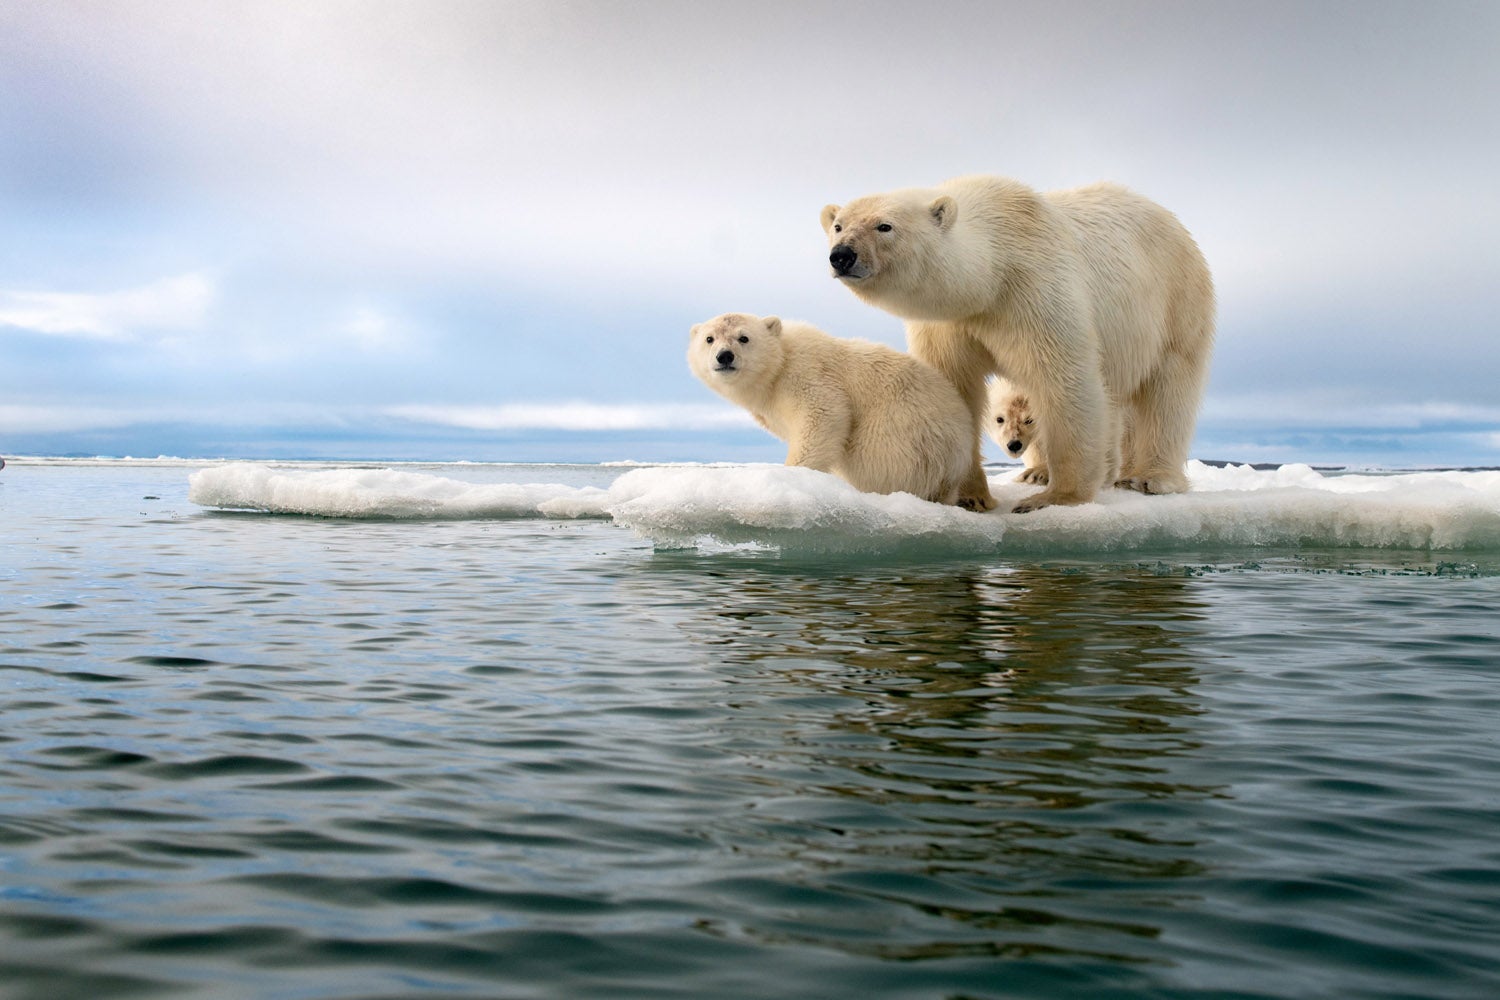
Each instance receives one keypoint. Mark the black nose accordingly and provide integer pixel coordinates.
(724, 358)
(1014, 447)
(842, 258)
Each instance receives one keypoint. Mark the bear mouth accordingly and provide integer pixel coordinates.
(854, 274)
(725, 368)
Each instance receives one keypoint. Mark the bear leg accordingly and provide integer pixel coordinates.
(965, 362)
(1161, 424)
(974, 492)
(1075, 416)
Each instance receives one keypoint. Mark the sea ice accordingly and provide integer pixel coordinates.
(799, 510)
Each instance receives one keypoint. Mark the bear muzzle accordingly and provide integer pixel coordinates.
(845, 262)
(1015, 446)
(725, 360)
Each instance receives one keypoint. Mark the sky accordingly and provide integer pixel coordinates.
(481, 230)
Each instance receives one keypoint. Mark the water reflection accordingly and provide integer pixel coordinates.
(1003, 749)
(1009, 649)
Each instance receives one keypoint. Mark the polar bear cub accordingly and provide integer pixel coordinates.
(1015, 427)
(877, 418)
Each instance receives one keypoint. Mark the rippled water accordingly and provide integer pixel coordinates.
(260, 756)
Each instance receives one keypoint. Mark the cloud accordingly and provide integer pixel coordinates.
(178, 303)
(1327, 409)
(575, 416)
(22, 419)
(95, 415)
(371, 330)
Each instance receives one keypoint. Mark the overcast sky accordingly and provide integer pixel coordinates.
(230, 226)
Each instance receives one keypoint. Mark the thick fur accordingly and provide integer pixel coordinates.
(1082, 296)
(1014, 426)
(877, 418)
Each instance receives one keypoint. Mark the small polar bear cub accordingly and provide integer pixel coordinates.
(879, 419)
(1014, 426)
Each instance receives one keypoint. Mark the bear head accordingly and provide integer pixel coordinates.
(883, 246)
(1012, 424)
(736, 354)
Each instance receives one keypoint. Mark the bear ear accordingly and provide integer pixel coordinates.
(773, 325)
(944, 212)
(829, 213)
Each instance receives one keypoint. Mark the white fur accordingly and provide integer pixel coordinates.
(1085, 297)
(880, 419)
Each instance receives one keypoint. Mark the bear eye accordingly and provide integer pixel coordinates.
(884, 227)
(838, 227)
(710, 338)
(744, 339)
(1028, 420)
(999, 420)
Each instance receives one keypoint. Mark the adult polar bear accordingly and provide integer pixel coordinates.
(1088, 298)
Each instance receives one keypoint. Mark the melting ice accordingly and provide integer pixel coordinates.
(799, 510)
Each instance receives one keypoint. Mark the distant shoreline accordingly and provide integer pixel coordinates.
(995, 467)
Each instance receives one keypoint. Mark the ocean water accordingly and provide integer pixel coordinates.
(603, 732)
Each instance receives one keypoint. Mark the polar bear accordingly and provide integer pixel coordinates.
(1013, 426)
(1081, 296)
(877, 418)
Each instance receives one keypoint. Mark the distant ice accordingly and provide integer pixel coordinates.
(800, 511)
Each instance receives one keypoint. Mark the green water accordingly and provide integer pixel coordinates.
(249, 756)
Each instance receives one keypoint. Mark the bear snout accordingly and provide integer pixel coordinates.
(1014, 447)
(842, 259)
(725, 359)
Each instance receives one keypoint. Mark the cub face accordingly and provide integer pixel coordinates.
(1012, 425)
(735, 350)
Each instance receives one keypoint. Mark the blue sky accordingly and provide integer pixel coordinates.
(482, 230)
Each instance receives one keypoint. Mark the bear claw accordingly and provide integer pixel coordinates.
(1149, 486)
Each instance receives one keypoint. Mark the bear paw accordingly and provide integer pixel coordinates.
(1153, 485)
(1031, 503)
(1046, 498)
(1037, 475)
(977, 504)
